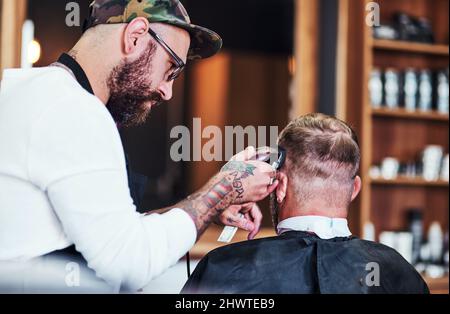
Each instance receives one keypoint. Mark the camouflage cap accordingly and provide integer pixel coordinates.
(204, 42)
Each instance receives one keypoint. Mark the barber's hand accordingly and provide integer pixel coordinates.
(252, 180)
(240, 181)
(246, 216)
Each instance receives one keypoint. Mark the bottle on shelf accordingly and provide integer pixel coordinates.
(416, 229)
(369, 231)
(432, 157)
(410, 89)
(436, 241)
(442, 92)
(425, 91)
(392, 88)
(402, 242)
(445, 169)
(376, 88)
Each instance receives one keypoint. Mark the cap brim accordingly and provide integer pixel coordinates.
(204, 42)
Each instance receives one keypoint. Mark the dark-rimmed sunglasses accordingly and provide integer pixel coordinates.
(179, 64)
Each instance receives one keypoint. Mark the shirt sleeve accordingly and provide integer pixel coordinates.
(76, 157)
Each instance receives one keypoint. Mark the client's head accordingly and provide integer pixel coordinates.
(319, 177)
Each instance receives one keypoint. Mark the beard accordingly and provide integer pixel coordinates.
(131, 93)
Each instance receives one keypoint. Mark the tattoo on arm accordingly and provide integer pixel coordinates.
(214, 198)
(245, 169)
(237, 184)
(217, 193)
(204, 206)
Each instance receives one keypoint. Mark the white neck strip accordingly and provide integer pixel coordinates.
(324, 227)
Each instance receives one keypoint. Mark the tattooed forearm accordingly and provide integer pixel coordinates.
(213, 199)
(204, 207)
(218, 193)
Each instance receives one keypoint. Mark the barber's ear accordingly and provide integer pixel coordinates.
(356, 187)
(282, 187)
(135, 33)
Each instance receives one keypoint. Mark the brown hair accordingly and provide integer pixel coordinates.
(322, 156)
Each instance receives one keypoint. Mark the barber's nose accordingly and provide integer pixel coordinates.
(166, 90)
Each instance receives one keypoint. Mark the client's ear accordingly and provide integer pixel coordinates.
(282, 186)
(356, 187)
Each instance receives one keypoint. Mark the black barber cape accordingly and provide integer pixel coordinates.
(298, 262)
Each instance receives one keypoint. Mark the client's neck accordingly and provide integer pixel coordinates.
(316, 207)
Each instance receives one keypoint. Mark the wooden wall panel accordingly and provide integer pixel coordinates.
(13, 14)
(305, 85)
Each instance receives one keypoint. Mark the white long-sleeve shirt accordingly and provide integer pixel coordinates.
(63, 181)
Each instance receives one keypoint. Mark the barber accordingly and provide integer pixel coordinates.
(63, 177)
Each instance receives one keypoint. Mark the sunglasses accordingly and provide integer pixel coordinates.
(179, 64)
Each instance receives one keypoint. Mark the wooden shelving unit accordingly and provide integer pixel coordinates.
(405, 181)
(441, 50)
(405, 114)
(393, 132)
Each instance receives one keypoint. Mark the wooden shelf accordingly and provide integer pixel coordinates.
(405, 114)
(437, 285)
(393, 45)
(405, 181)
(385, 132)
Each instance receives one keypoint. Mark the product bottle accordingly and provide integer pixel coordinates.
(442, 92)
(425, 91)
(391, 88)
(410, 90)
(436, 241)
(376, 88)
(416, 228)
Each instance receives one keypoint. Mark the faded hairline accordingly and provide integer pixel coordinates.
(322, 159)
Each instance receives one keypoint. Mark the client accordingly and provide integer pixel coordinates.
(314, 251)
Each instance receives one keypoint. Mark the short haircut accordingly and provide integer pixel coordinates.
(323, 159)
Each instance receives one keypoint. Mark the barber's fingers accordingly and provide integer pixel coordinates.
(263, 168)
(236, 220)
(244, 208)
(248, 218)
(256, 216)
(247, 154)
(266, 150)
(273, 186)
